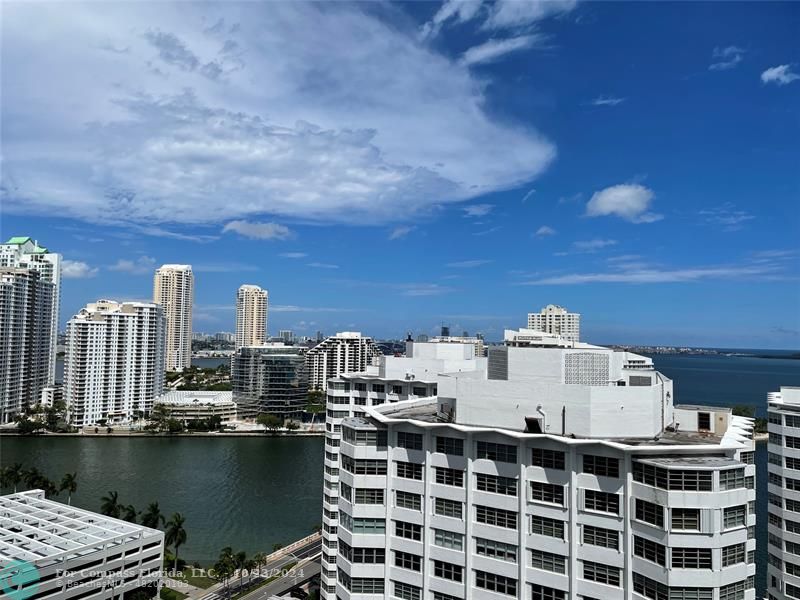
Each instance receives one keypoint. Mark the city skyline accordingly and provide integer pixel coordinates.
(563, 154)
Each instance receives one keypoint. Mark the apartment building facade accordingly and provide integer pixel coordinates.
(252, 307)
(173, 289)
(345, 352)
(556, 320)
(271, 379)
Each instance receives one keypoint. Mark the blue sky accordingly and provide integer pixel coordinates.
(390, 167)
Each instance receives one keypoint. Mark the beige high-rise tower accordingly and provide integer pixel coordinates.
(173, 289)
(252, 307)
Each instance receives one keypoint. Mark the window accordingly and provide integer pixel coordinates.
(733, 554)
(418, 391)
(364, 438)
(691, 558)
(601, 501)
(791, 463)
(397, 389)
(548, 527)
(360, 585)
(549, 459)
(497, 452)
(792, 505)
(649, 588)
(690, 593)
(449, 445)
(692, 481)
(409, 470)
(496, 484)
(362, 525)
(454, 477)
(548, 561)
(650, 550)
(378, 387)
(368, 496)
(362, 555)
(406, 560)
(363, 467)
(447, 570)
(704, 421)
(686, 519)
(495, 583)
(601, 465)
(792, 442)
(345, 491)
(748, 458)
(540, 592)
(360, 387)
(442, 596)
(448, 539)
(448, 508)
(775, 438)
(791, 420)
(601, 573)
(731, 479)
(599, 536)
(411, 441)
(547, 492)
(649, 513)
(494, 549)
(774, 459)
(405, 591)
(734, 516)
(775, 418)
(733, 591)
(496, 516)
(410, 531)
(408, 500)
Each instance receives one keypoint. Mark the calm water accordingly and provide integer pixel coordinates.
(248, 493)
(251, 493)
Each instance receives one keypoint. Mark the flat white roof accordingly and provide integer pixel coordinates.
(184, 398)
(35, 529)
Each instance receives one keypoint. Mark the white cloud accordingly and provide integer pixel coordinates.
(76, 269)
(468, 264)
(291, 308)
(627, 201)
(593, 245)
(140, 266)
(652, 275)
(293, 254)
(424, 289)
(401, 232)
(321, 265)
(258, 231)
(519, 13)
(487, 231)
(492, 50)
(607, 101)
(528, 195)
(459, 10)
(316, 112)
(726, 58)
(727, 216)
(478, 210)
(544, 231)
(780, 75)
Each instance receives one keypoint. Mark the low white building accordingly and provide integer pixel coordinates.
(196, 405)
(51, 551)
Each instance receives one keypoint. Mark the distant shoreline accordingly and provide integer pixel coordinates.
(144, 434)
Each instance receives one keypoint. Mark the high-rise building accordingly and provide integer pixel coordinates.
(345, 352)
(570, 474)
(23, 252)
(252, 306)
(270, 379)
(114, 364)
(286, 336)
(26, 305)
(557, 321)
(173, 289)
(783, 464)
(395, 379)
(53, 550)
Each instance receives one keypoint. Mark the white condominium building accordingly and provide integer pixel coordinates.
(26, 305)
(173, 289)
(783, 464)
(556, 320)
(568, 474)
(114, 365)
(51, 551)
(25, 253)
(345, 352)
(252, 306)
(396, 378)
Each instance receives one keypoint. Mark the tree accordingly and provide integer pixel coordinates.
(240, 561)
(744, 410)
(69, 484)
(269, 421)
(292, 426)
(16, 473)
(175, 535)
(129, 513)
(110, 505)
(152, 517)
(33, 477)
(224, 567)
(50, 489)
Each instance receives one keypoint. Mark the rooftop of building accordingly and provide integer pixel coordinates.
(188, 398)
(789, 396)
(176, 267)
(40, 531)
(22, 240)
(715, 462)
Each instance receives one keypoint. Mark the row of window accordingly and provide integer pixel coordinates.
(379, 388)
(687, 518)
(687, 480)
(653, 590)
(788, 420)
(687, 558)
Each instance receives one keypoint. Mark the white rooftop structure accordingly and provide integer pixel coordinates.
(192, 398)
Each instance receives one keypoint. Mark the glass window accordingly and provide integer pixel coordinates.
(649, 513)
(447, 570)
(495, 549)
(409, 531)
(409, 470)
(601, 465)
(547, 492)
(734, 516)
(731, 479)
(496, 516)
(406, 560)
(496, 484)
(548, 561)
(686, 519)
(405, 591)
(691, 558)
(733, 554)
(449, 445)
(448, 508)
(650, 550)
(496, 452)
(408, 500)
(448, 539)
(600, 536)
(601, 573)
(548, 527)
(601, 501)
(549, 459)
(540, 592)
(368, 496)
(445, 476)
(495, 583)
(409, 440)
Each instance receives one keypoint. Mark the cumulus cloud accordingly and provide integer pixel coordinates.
(544, 231)
(139, 266)
(258, 231)
(76, 269)
(627, 201)
(494, 49)
(726, 58)
(314, 112)
(401, 232)
(780, 75)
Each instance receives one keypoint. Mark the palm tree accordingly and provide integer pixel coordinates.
(129, 513)
(251, 565)
(110, 506)
(240, 560)
(33, 477)
(175, 535)
(69, 484)
(152, 517)
(50, 489)
(15, 475)
(224, 567)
